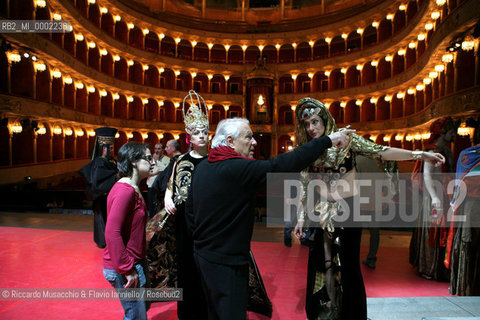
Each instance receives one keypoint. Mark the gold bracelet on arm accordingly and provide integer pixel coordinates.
(417, 155)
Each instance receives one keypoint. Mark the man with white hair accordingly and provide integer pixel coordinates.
(220, 209)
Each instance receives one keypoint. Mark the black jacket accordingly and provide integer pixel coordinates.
(220, 208)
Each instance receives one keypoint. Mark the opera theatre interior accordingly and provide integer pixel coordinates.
(393, 70)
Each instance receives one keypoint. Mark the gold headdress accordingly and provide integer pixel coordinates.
(197, 114)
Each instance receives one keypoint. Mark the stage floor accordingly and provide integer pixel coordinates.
(57, 251)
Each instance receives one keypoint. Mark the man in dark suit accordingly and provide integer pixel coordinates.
(220, 209)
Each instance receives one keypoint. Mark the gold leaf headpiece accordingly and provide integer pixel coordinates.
(196, 116)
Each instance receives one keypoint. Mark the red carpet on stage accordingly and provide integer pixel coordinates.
(38, 258)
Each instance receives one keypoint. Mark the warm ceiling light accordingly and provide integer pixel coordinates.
(412, 45)
(227, 47)
(409, 137)
(92, 45)
(388, 58)
(194, 74)
(439, 67)
(57, 17)
(293, 107)
(402, 7)
(210, 76)
(130, 63)
(400, 95)
(57, 130)
(375, 24)
(56, 74)
(79, 85)
(294, 77)
(145, 68)
(433, 74)
(388, 98)
(131, 26)
(311, 43)
(91, 1)
(260, 101)
(194, 43)
(373, 100)
(441, 2)
(210, 45)
(160, 136)
(145, 136)
(91, 89)
(374, 63)
(79, 37)
(294, 45)
(327, 73)
(161, 70)
(244, 47)
(161, 103)
(115, 96)
(176, 104)
(118, 18)
(417, 137)
(426, 136)
(177, 40)
(145, 101)
(360, 30)
(328, 40)
(435, 15)
(103, 52)
(104, 10)
(161, 35)
(468, 45)
(389, 16)
(421, 37)
(429, 26)
(401, 52)
(447, 58)
(260, 47)
(116, 58)
(130, 135)
(344, 36)
(310, 75)
(227, 77)
(41, 3)
(359, 67)
(358, 103)
(117, 135)
(130, 99)
(177, 73)
(16, 128)
(410, 91)
(145, 31)
(343, 70)
(427, 81)
(343, 104)
(68, 132)
(277, 46)
(103, 93)
(398, 137)
(79, 133)
(386, 139)
(419, 87)
(40, 67)
(68, 80)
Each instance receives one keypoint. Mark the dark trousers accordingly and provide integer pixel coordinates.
(226, 289)
(354, 300)
(194, 305)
